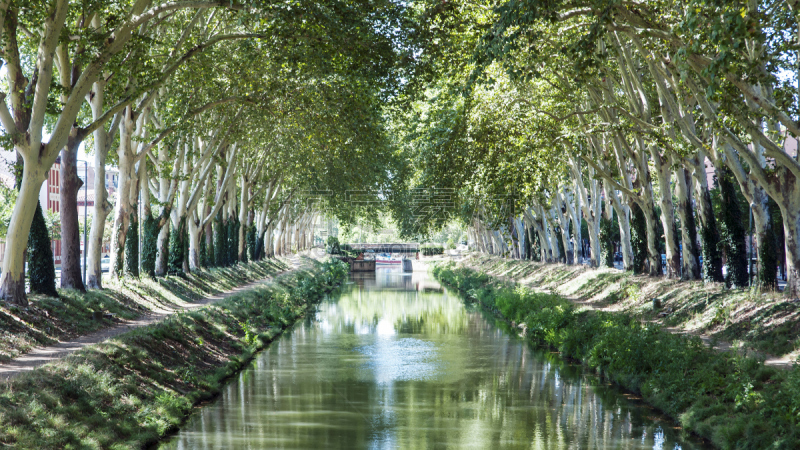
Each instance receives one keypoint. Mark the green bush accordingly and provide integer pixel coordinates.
(735, 402)
(332, 246)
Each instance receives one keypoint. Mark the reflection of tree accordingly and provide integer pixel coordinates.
(317, 387)
(406, 310)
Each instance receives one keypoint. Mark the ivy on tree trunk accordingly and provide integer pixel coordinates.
(712, 259)
(606, 241)
(203, 251)
(232, 243)
(638, 239)
(177, 247)
(251, 243)
(132, 248)
(150, 230)
(768, 256)
(733, 234)
(220, 237)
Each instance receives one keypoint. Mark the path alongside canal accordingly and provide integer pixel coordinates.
(44, 355)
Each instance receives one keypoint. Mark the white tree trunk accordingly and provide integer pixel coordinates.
(12, 281)
(623, 218)
(691, 266)
(123, 213)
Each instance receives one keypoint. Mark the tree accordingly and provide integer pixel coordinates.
(40, 257)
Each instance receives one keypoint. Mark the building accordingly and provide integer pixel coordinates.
(49, 196)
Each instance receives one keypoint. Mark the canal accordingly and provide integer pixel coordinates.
(395, 361)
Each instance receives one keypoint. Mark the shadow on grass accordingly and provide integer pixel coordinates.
(48, 319)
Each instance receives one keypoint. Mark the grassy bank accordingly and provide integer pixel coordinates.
(129, 391)
(48, 319)
(731, 400)
(765, 322)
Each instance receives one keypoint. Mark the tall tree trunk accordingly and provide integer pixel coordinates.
(162, 256)
(624, 222)
(709, 233)
(102, 207)
(176, 246)
(194, 244)
(243, 210)
(220, 249)
(12, 278)
(733, 231)
(639, 239)
(690, 259)
(791, 225)
(123, 212)
(269, 241)
(208, 235)
(664, 172)
(71, 277)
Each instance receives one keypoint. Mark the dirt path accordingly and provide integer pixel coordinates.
(43, 355)
(781, 362)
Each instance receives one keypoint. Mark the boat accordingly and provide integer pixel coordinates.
(385, 258)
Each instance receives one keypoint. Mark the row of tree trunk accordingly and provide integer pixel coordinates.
(550, 230)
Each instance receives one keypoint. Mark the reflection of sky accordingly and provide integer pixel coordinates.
(403, 359)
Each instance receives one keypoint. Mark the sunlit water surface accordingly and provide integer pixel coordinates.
(395, 361)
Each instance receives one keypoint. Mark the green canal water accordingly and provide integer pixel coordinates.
(396, 361)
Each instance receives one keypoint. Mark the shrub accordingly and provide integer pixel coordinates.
(333, 245)
(431, 249)
(42, 272)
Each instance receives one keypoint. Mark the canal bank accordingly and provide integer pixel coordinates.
(396, 361)
(731, 400)
(132, 390)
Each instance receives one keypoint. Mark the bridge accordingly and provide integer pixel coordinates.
(409, 247)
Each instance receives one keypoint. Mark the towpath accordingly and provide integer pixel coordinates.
(43, 355)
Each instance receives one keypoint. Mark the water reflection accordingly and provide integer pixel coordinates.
(394, 364)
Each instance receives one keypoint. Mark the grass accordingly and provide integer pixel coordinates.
(733, 401)
(765, 322)
(47, 320)
(130, 391)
